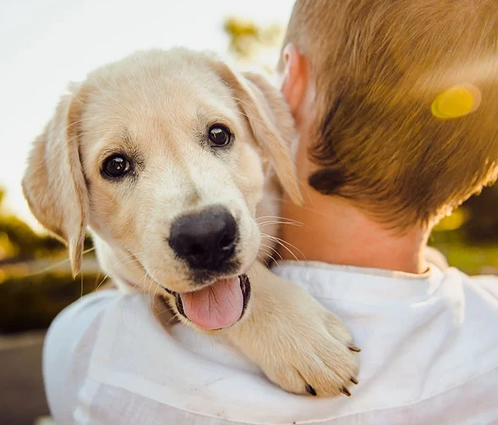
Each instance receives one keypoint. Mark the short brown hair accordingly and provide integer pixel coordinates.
(378, 65)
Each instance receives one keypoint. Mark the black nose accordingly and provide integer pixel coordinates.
(205, 240)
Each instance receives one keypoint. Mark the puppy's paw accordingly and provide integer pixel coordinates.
(300, 345)
(314, 357)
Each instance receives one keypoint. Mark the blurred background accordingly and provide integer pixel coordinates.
(44, 44)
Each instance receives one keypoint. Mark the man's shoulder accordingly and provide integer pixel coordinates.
(481, 286)
(82, 314)
(86, 312)
(487, 283)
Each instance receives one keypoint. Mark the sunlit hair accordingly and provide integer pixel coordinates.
(378, 66)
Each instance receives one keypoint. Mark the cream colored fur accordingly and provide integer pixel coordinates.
(156, 105)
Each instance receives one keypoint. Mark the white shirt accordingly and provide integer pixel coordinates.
(429, 356)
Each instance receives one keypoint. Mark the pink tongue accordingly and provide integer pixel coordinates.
(218, 306)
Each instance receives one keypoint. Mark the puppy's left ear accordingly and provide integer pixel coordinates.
(270, 121)
(53, 183)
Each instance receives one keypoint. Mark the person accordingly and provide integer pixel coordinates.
(395, 105)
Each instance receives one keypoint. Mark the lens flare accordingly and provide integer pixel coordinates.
(457, 101)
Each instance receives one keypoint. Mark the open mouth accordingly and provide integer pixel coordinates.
(217, 306)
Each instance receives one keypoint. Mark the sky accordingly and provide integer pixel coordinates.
(45, 44)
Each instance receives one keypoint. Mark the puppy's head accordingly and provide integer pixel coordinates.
(163, 155)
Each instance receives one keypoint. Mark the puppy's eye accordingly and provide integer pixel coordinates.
(219, 136)
(116, 166)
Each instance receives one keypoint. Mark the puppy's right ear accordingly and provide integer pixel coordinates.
(53, 183)
(270, 121)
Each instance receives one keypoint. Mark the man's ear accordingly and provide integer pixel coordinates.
(294, 82)
(53, 183)
(270, 121)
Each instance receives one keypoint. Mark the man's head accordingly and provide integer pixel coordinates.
(361, 77)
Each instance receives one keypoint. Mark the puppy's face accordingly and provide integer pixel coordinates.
(171, 150)
(172, 170)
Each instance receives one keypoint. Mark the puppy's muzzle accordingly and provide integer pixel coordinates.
(205, 240)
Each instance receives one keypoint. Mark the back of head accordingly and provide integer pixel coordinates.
(378, 67)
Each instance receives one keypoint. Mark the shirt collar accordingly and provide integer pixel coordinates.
(361, 285)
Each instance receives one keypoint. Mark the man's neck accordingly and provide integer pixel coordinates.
(331, 230)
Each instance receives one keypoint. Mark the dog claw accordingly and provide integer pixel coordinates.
(310, 390)
(345, 391)
(354, 348)
(354, 380)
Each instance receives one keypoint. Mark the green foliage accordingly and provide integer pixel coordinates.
(32, 301)
(482, 223)
(247, 39)
(18, 241)
(474, 223)
(35, 278)
(472, 259)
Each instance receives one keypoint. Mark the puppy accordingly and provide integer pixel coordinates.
(166, 156)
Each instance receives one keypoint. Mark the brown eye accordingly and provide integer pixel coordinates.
(219, 136)
(116, 166)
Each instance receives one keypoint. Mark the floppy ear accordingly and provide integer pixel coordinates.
(53, 183)
(270, 121)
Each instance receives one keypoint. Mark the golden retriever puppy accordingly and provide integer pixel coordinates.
(166, 156)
